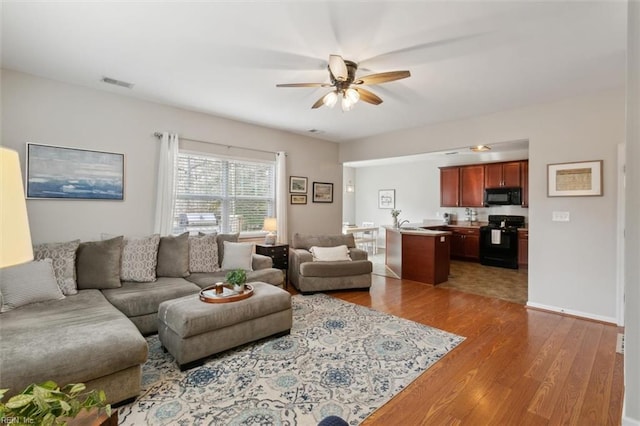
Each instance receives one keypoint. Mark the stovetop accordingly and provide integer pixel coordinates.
(505, 221)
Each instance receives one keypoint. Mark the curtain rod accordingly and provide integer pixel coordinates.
(159, 135)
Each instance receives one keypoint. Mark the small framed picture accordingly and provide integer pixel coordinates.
(322, 192)
(298, 199)
(386, 198)
(582, 179)
(297, 185)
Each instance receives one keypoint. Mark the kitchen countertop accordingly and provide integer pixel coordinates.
(417, 230)
(439, 223)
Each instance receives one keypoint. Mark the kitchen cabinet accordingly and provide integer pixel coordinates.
(421, 256)
(465, 242)
(523, 248)
(472, 186)
(449, 186)
(524, 182)
(497, 175)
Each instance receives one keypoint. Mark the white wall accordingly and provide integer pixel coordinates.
(54, 113)
(571, 264)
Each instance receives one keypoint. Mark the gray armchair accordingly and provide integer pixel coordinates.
(310, 276)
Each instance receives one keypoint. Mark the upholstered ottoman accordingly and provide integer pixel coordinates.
(191, 329)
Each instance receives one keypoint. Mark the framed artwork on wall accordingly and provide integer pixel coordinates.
(581, 179)
(298, 199)
(386, 198)
(56, 172)
(297, 184)
(322, 192)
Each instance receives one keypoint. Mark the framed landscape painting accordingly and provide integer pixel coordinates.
(55, 172)
(579, 179)
(298, 184)
(322, 192)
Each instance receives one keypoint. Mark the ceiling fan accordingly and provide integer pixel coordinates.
(342, 75)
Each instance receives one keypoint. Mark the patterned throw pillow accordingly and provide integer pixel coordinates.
(28, 283)
(139, 258)
(63, 257)
(203, 253)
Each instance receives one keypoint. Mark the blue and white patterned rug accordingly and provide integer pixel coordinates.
(340, 359)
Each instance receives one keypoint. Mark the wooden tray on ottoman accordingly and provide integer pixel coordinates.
(209, 295)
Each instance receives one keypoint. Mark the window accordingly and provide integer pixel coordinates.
(221, 194)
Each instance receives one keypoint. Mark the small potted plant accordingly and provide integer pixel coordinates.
(48, 404)
(237, 278)
(394, 214)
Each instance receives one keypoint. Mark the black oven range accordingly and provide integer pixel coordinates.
(499, 241)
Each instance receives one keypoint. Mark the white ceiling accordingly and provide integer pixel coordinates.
(225, 58)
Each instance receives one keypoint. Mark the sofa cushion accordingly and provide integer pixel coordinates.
(203, 253)
(302, 241)
(139, 258)
(77, 339)
(28, 283)
(63, 256)
(237, 256)
(220, 239)
(173, 256)
(335, 269)
(98, 264)
(135, 299)
(324, 254)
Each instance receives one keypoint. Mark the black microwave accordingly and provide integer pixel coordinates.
(502, 197)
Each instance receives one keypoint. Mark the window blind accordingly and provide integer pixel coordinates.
(222, 195)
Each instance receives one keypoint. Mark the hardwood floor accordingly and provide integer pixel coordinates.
(517, 366)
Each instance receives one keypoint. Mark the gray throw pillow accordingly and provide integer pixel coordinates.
(98, 264)
(28, 283)
(173, 256)
(237, 256)
(63, 256)
(220, 239)
(140, 258)
(203, 253)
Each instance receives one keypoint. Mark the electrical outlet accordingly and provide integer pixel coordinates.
(560, 216)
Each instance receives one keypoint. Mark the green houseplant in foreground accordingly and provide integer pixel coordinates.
(48, 404)
(236, 278)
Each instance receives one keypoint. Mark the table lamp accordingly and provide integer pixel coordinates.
(15, 237)
(270, 225)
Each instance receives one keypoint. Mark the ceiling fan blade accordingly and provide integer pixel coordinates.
(319, 102)
(382, 77)
(338, 68)
(367, 96)
(304, 85)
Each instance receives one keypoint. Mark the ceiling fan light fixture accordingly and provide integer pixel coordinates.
(352, 95)
(330, 99)
(347, 104)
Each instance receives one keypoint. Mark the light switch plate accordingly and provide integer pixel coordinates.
(560, 216)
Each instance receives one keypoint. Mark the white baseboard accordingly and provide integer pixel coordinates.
(627, 421)
(580, 314)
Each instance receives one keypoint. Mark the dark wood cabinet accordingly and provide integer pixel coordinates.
(465, 243)
(498, 175)
(523, 248)
(472, 186)
(524, 182)
(279, 253)
(449, 186)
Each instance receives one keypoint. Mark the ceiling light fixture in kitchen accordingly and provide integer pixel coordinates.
(480, 148)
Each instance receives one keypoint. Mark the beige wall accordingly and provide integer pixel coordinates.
(572, 265)
(54, 113)
(632, 227)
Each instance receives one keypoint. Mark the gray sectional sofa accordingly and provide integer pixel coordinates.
(94, 333)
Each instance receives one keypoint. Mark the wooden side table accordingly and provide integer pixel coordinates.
(279, 253)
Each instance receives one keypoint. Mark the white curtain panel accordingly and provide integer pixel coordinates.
(281, 196)
(165, 198)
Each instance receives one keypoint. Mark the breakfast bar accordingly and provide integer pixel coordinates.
(418, 254)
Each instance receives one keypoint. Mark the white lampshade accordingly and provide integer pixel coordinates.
(270, 225)
(15, 236)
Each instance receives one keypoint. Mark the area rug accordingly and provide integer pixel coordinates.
(340, 359)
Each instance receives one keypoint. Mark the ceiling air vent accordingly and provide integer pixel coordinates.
(115, 82)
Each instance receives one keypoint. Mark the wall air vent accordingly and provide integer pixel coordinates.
(451, 153)
(115, 82)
